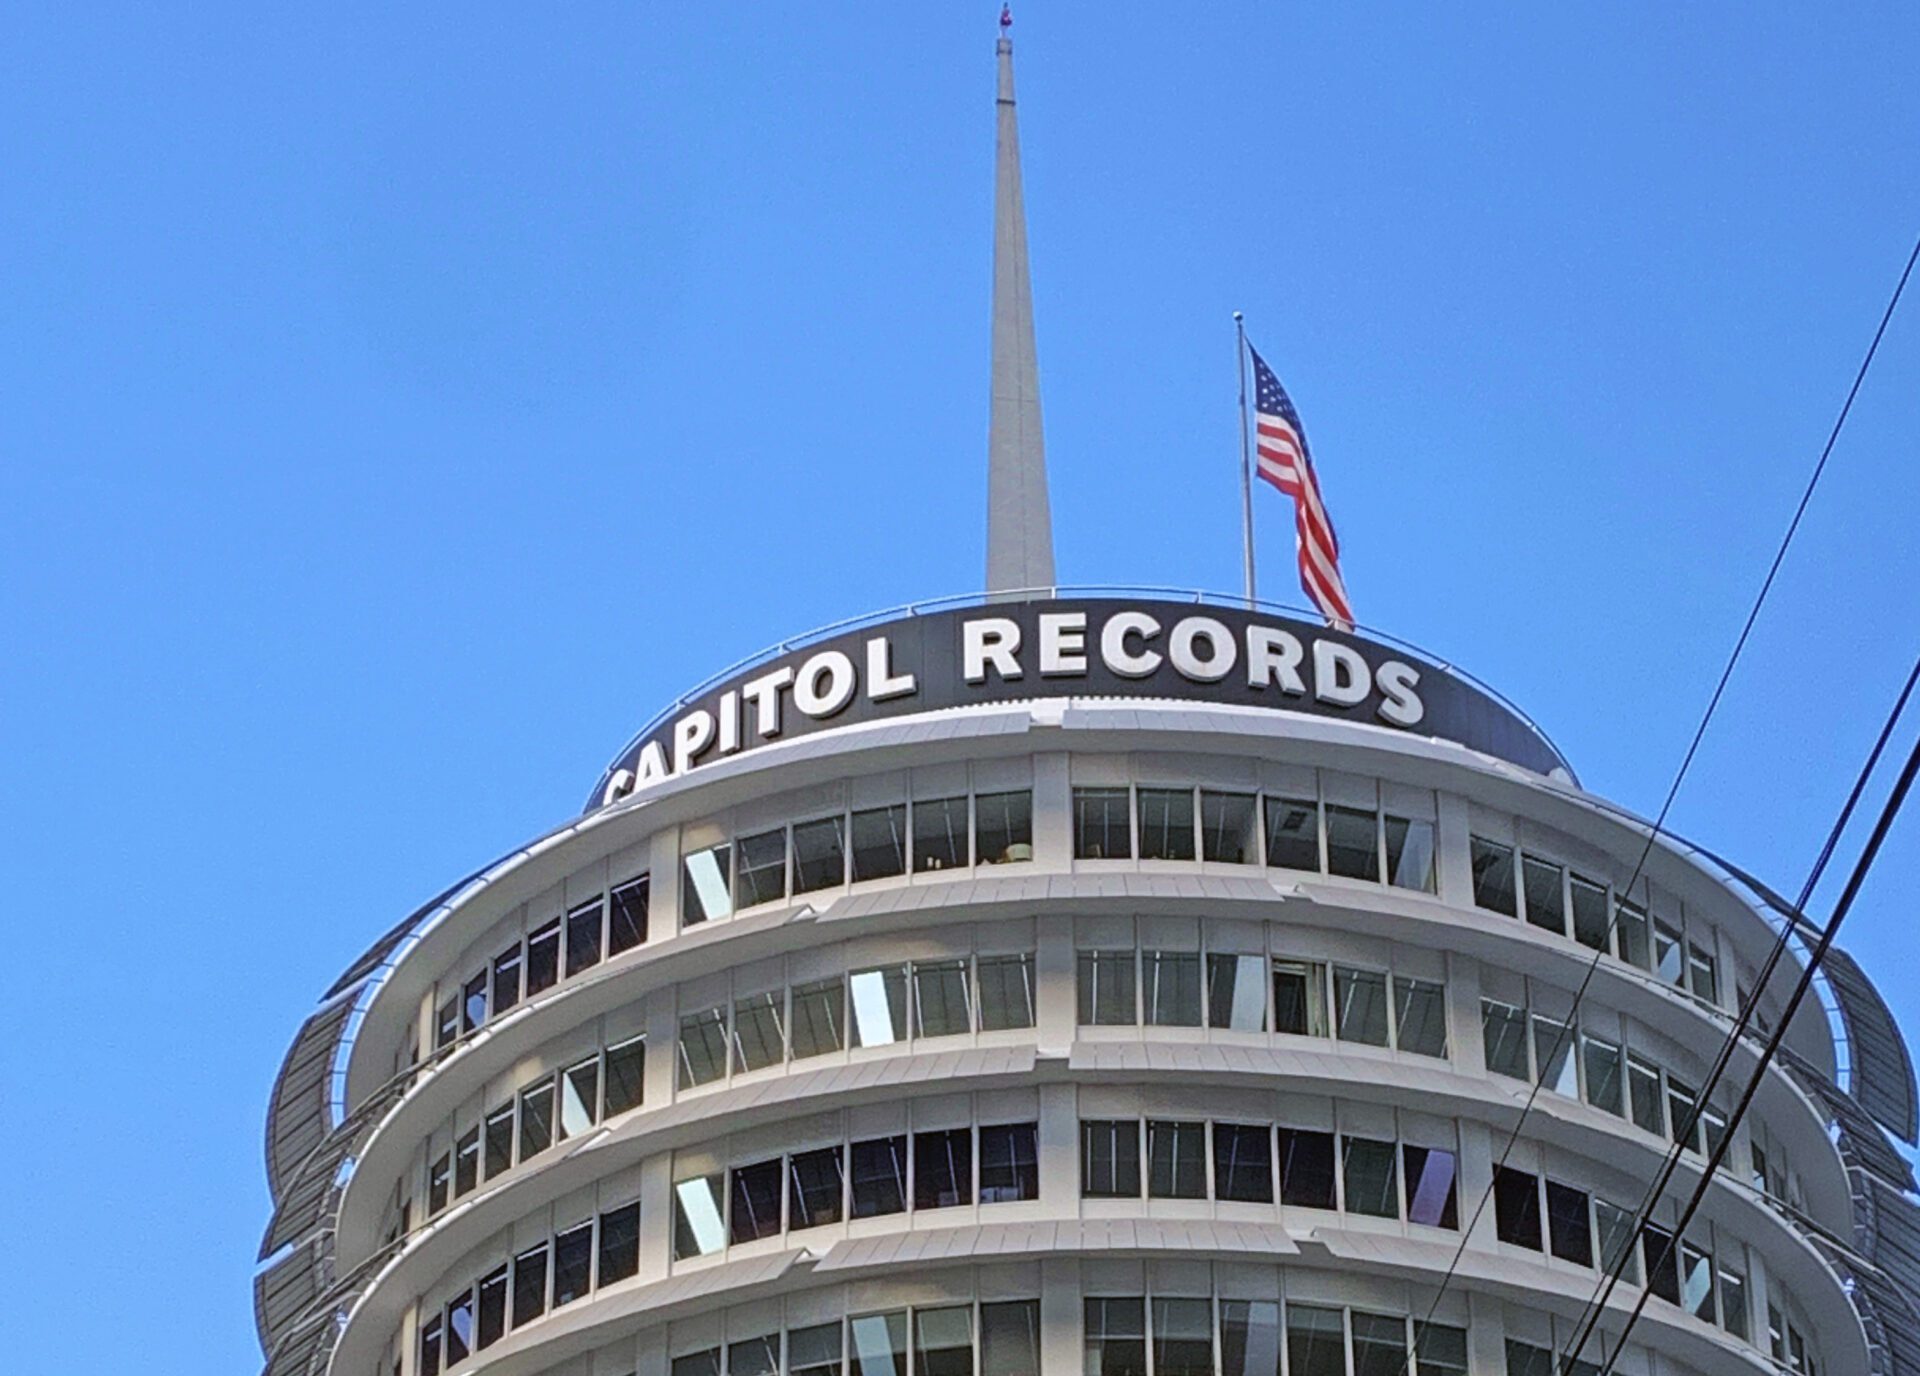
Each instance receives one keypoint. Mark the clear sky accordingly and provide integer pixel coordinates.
(399, 404)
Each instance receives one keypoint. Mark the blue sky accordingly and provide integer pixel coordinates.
(396, 408)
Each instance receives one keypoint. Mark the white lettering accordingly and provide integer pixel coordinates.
(1113, 644)
(825, 684)
(1273, 656)
(691, 734)
(1222, 649)
(729, 723)
(1340, 675)
(990, 640)
(882, 682)
(653, 764)
(1402, 706)
(764, 694)
(619, 785)
(1063, 643)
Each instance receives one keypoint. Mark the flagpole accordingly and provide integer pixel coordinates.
(1246, 460)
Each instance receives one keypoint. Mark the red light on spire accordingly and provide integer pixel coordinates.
(1006, 16)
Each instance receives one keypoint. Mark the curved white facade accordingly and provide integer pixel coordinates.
(1084, 1034)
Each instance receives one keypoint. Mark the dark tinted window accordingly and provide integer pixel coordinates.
(1353, 842)
(1003, 827)
(1170, 983)
(1176, 1160)
(819, 854)
(626, 1075)
(499, 1140)
(1589, 913)
(942, 1168)
(572, 1264)
(1243, 1162)
(493, 1309)
(1116, 1338)
(473, 1002)
(761, 873)
(506, 979)
(1106, 992)
(1493, 877)
(1662, 1262)
(1293, 833)
(1102, 830)
(439, 1182)
(530, 1285)
(1166, 824)
(880, 842)
(816, 1187)
(1546, 902)
(1226, 828)
(1516, 1207)
(430, 1347)
(446, 1027)
(583, 936)
(543, 957)
(940, 834)
(627, 915)
(1006, 992)
(1009, 1163)
(1306, 1168)
(619, 1244)
(466, 1162)
(879, 1169)
(1009, 1338)
(1110, 1158)
(460, 1328)
(1370, 1179)
(1431, 1195)
(1569, 1228)
(536, 1119)
(756, 1200)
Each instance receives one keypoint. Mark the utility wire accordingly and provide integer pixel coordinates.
(1686, 763)
(1888, 813)
(1613, 1272)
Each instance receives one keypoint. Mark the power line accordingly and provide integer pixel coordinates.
(1686, 763)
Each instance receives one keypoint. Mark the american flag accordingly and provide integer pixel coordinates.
(1280, 453)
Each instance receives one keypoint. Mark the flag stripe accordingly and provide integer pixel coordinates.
(1282, 459)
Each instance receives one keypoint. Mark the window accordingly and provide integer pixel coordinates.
(1604, 1066)
(1166, 824)
(1293, 834)
(1171, 981)
(699, 1227)
(879, 1005)
(703, 1047)
(1643, 1086)
(627, 915)
(1546, 895)
(1680, 1101)
(1713, 1126)
(439, 1182)
(1306, 1168)
(759, 1031)
(1661, 1261)
(499, 1141)
(1009, 1163)
(1243, 1162)
(1249, 1338)
(1703, 973)
(1553, 1056)
(473, 1002)
(1516, 1207)
(1101, 827)
(579, 1097)
(816, 1184)
(1116, 1338)
(1733, 1301)
(1409, 853)
(626, 1075)
(543, 958)
(940, 834)
(1696, 1282)
(1569, 1226)
(879, 1344)
(1613, 1231)
(536, 1119)
(1106, 989)
(760, 873)
(583, 937)
(755, 1196)
(1630, 934)
(942, 1341)
(1379, 1344)
(1182, 1337)
(506, 979)
(1524, 1359)
(466, 1162)
(1431, 1197)
(1009, 1338)
(1493, 877)
(754, 1356)
(1360, 1005)
(619, 1250)
(879, 1170)
(1006, 992)
(1353, 842)
(814, 1351)
(572, 1264)
(942, 1168)
(430, 1347)
(705, 1362)
(1668, 963)
(1369, 1174)
(880, 842)
(1300, 997)
(1420, 1016)
(1589, 912)
(941, 1007)
(1504, 1032)
(1176, 1160)
(819, 855)
(1316, 1341)
(459, 1327)
(1236, 993)
(1440, 1349)
(1226, 828)
(706, 896)
(530, 1285)
(1003, 827)
(819, 1018)
(1110, 1159)
(446, 1029)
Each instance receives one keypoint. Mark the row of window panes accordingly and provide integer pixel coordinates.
(587, 934)
(1299, 833)
(941, 1336)
(1787, 1345)
(870, 843)
(552, 1109)
(1579, 1065)
(552, 1275)
(888, 1003)
(1560, 900)
(1539, 1214)
(1252, 993)
(1172, 1336)
(1311, 1169)
(934, 1169)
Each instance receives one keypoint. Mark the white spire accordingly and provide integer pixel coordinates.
(1019, 522)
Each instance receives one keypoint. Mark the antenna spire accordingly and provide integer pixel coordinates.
(1019, 520)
